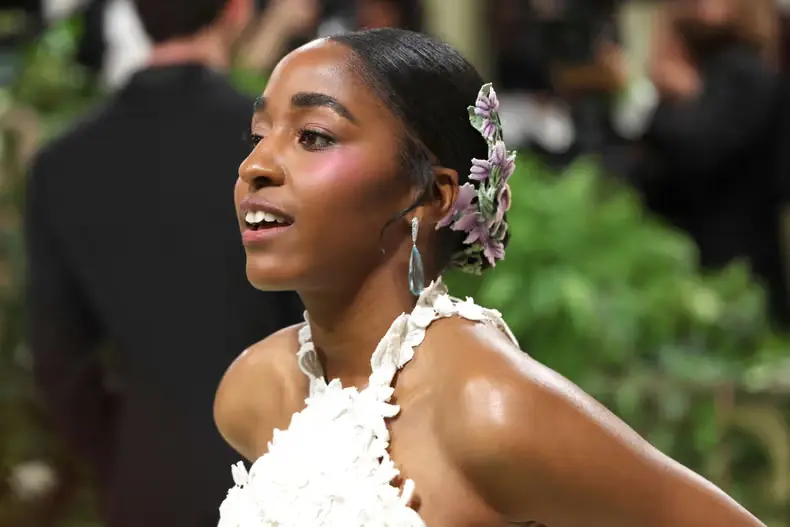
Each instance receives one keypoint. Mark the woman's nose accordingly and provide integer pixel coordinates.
(261, 168)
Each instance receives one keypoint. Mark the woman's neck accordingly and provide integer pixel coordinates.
(346, 328)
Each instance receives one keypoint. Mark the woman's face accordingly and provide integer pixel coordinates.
(322, 179)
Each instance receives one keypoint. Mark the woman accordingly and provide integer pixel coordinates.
(358, 183)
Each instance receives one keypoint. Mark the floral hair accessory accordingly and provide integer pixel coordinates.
(479, 210)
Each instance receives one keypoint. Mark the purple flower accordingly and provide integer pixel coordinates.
(480, 234)
(497, 226)
(482, 112)
(505, 162)
(487, 101)
(494, 250)
(476, 228)
(480, 213)
(469, 221)
(482, 106)
(463, 203)
(492, 99)
(480, 170)
(499, 154)
(486, 106)
(508, 167)
(489, 129)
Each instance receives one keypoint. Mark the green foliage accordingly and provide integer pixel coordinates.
(603, 278)
(50, 80)
(251, 83)
(47, 93)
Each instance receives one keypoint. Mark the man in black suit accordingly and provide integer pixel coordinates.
(133, 241)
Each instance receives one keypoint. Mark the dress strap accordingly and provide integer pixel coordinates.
(405, 334)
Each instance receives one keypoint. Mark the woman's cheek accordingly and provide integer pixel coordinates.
(336, 165)
(347, 176)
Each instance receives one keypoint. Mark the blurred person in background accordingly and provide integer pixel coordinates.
(555, 93)
(342, 16)
(281, 26)
(403, 14)
(112, 44)
(532, 116)
(133, 246)
(709, 157)
(284, 25)
(579, 37)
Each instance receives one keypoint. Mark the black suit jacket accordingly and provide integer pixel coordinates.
(711, 168)
(132, 240)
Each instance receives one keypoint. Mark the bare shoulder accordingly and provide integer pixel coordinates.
(256, 393)
(492, 383)
(537, 447)
(489, 385)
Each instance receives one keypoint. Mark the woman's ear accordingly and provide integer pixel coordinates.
(444, 194)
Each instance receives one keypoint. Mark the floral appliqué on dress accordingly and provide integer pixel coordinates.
(332, 467)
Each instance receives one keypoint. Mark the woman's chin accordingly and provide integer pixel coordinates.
(270, 278)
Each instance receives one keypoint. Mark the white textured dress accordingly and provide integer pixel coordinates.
(331, 467)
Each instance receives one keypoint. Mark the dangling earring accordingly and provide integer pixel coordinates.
(416, 272)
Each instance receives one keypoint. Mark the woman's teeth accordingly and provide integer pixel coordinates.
(258, 217)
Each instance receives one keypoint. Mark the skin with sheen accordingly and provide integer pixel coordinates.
(489, 436)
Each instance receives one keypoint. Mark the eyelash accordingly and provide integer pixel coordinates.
(303, 133)
(306, 132)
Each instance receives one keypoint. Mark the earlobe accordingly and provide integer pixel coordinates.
(445, 181)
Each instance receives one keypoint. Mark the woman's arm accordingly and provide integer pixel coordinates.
(537, 448)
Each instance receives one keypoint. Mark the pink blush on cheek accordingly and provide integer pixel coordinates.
(338, 165)
(349, 176)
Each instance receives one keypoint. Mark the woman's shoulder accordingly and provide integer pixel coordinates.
(477, 370)
(534, 445)
(492, 398)
(257, 392)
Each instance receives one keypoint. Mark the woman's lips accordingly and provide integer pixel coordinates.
(252, 237)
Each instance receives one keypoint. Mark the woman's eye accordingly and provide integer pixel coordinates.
(312, 140)
(255, 139)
